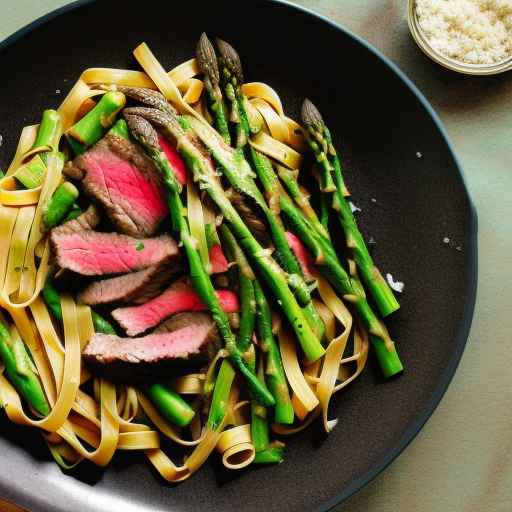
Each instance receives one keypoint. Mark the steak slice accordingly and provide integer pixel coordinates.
(118, 174)
(179, 297)
(92, 253)
(137, 287)
(124, 358)
(85, 221)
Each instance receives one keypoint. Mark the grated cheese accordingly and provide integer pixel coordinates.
(470, 31)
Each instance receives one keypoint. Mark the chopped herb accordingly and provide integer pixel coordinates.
(139, 246)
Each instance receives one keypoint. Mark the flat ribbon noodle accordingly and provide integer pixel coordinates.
(276, 124)
(335, 349)
(184, 71)
(265, 92)
(275, 149)
(172, 473)
(196, 222)
(293, 372)
(25, 142)
(22, 275)
(235, 445)
(8, 218)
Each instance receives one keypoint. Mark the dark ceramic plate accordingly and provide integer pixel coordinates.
(381, 121)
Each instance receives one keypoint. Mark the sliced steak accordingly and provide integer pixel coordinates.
(181, 320)
(85, 221)
(92, 253)
(118, 174)
(124, 358)
(179, 297)
(137, 287)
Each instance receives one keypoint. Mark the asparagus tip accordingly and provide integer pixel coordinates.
(152, 115)
(207, 59)
(142, 130)
(230, 58)
(310, 114)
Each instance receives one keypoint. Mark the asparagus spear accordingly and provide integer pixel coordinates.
(21, 371)
(274, 372)
(74, 212)
(232, 78)
(95, 123)
(246, 279)
(266, 453)
(147, 136)
(119, 129)
(320, 142)
(170, 404)
(274, 367)
(204, 173)
(301, 197)
(31, 174)
(60, 204)
(220, 398)
(51, 298)
(207, 61)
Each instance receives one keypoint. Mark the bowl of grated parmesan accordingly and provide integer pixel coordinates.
(467, 36)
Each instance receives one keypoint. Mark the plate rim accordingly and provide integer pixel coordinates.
(465, 322)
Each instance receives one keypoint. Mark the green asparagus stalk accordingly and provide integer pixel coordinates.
(220, 398)
(74, 212)
(95, 123)
(274, 371)
(320, 142)
(289, 178)
(120, 129)
(207, 61)
(170, 404)
(31, 174)
(48, 131)
(60, 204)
(246, 289)
(324, 212)
(21, 371)
(206, 176)
(212, 237)
(51, 298)
(265, 452)
(146, 135)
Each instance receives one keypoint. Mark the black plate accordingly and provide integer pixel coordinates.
(381, 121)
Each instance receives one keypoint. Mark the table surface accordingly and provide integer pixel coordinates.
(462, 459)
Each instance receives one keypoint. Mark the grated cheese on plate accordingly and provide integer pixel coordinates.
(470, 31)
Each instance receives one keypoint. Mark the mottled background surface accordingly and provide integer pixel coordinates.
(462, 459)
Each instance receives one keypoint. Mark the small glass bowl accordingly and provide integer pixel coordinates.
(447, 62)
